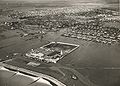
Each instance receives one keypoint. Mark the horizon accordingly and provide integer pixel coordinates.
(69, 1)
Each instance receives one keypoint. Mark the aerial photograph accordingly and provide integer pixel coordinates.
(59, 42)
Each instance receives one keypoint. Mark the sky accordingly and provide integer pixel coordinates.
(53, 0)
(72, 1)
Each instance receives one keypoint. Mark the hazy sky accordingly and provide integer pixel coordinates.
(52, 0)
(92, 1)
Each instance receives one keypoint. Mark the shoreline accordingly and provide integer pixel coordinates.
(58, 83)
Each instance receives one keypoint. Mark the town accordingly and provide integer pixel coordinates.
(80, 25)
